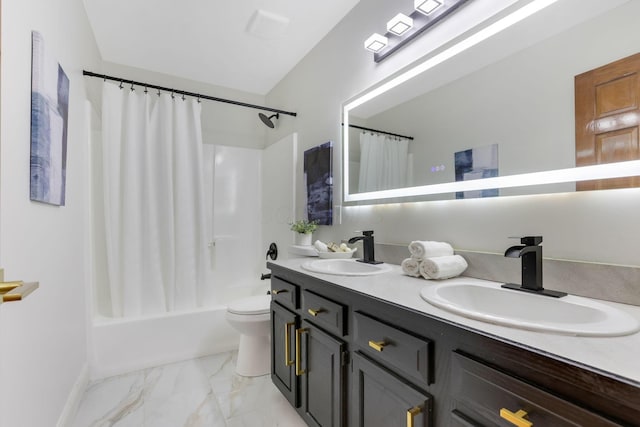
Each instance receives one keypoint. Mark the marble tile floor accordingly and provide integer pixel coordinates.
(202, 392)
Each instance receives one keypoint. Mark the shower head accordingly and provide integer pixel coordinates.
(267, 120)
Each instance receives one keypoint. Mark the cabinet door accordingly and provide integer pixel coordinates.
(283, 327)
(381, 399)
(322, 374)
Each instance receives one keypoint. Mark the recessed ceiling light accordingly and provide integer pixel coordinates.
(426, 6)
(376, 42)
(399, 24)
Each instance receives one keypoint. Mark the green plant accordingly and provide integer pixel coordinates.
(304, 226)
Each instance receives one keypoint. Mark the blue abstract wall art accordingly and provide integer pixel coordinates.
(318, 174)
(49, 119)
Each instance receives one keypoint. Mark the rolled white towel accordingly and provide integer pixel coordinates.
(429, 249)
(411, 267)
(443, 267)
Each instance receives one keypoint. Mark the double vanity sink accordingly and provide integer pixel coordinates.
(488, 302)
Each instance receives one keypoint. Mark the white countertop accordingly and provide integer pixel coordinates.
(617, 355)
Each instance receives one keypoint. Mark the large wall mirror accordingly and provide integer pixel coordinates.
(489, 117)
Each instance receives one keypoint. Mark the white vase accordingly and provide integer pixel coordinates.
(303, 239)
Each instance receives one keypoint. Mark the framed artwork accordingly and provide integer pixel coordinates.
(477, 163)
(49, 119)
(318, 176)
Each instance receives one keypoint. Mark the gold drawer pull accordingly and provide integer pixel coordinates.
(378, 345)
(411, 415)
(299, 332)
(287, 345)
(16, 291)
(314, 313)
(278, 291)
(516, 419)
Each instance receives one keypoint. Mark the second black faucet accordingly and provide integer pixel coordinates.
(368, 250)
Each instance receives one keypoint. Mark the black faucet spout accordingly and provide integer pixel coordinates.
(368, 250)
(531, 254)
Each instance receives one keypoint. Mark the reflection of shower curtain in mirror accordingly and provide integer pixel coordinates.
(383, 162)
(153, 198)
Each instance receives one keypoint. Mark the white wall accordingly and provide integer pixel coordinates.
(44, 337)
(597, 226)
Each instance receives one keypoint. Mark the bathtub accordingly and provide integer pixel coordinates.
(118, 345)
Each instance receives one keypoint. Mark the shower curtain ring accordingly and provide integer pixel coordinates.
(146, 90)
(159, 92)
(183, 96)
(121, 84)
(172, 95)
(198, 99)
(132, 88)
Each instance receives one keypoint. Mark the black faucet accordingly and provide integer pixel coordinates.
(531, 253)
(367, 247)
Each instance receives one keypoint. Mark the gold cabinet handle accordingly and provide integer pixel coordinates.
(314, 313)
(278, 291)
(16, 291)
(287, 345)
(411, 415)
(378, 345)
(517, 419)
(299, 332)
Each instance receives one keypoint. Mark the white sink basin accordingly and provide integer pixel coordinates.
(344, 267)
(570, 315)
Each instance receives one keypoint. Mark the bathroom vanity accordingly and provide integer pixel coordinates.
(368, 351)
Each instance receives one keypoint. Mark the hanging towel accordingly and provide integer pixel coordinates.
(443, 267)
(411, 267)
(429, 249)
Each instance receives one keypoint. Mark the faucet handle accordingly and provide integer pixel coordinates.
(365, 232)
(529, 240)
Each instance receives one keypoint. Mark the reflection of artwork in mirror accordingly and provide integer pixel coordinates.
(318, 175)
(477, 163)
(49, 112)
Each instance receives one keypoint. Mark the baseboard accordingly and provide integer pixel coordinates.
(75, 396)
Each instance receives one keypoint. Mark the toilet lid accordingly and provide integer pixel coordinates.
(251, 305)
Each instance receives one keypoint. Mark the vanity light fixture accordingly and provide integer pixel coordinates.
(399, 24)
(376, 42)
(426, 6)
(401, 29)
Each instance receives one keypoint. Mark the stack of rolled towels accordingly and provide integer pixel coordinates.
(433, 260)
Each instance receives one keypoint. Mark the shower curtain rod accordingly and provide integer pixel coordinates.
(182, 92)
(380, 131)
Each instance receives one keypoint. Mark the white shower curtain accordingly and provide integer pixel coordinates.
(383, 162)
(154, 201)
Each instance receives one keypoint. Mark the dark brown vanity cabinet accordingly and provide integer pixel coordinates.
(364, 362)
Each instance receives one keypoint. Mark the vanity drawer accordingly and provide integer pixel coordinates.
(285, 293)
(485, 396)
(325, 313)
(411, 355)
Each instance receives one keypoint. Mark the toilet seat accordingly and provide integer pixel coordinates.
(251, 305)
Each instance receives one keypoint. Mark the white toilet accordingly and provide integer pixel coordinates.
(250, 316)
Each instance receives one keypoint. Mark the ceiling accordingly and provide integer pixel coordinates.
(248, 45)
